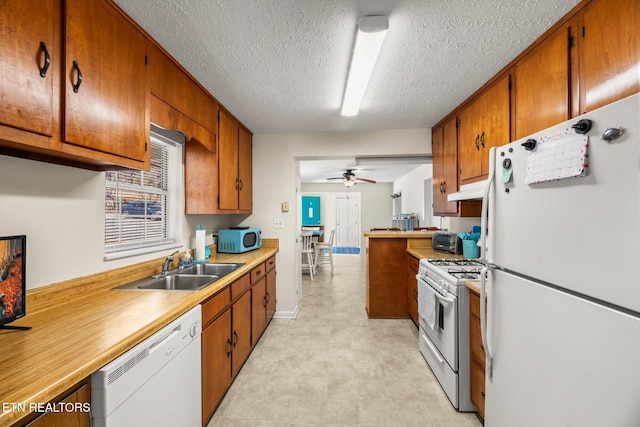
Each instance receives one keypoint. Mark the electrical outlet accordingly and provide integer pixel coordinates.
(278, 223)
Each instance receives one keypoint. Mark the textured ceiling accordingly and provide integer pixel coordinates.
(281, 65)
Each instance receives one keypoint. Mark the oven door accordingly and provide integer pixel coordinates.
(444, 335)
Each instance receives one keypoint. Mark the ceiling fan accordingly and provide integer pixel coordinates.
(349, 178)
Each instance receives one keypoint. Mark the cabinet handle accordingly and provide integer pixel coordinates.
(47, 59)
(482, 139)
(268, 296)
(235, 336)
(442, 187)
(482, 393)
(476, 142)
(264, 301)
(78, 82)
(241, 184)
(228, 347)
(237, 183)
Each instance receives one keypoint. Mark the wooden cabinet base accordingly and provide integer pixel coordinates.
(386, 279)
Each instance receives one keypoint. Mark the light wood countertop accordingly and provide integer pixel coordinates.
(81, 325)
(474, 286)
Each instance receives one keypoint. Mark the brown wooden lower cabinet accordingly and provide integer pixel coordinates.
(477, 359)
(80, 398)
(271, 292)
(413, 264)
(216, 363)
(233, 320)
(258, 309)
(386, 278)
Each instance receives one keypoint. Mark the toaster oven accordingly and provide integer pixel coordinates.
(446, 241)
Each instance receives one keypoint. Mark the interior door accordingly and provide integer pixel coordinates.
(347, 225)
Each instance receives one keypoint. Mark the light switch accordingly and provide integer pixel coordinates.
(285, 206)
(278, 223)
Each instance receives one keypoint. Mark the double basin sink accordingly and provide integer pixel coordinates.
(192, 278)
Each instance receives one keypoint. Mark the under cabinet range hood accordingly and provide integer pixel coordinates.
(473, 191)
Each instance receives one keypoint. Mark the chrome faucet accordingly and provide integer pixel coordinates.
(165, 264)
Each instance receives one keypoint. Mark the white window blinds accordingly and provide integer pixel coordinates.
(140, 206)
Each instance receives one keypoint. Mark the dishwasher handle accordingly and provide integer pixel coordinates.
(156, 345)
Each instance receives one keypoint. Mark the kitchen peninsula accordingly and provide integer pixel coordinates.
(389, 284)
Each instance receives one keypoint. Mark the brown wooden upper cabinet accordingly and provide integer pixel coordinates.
(609, 52)
(104, 92)
(27, 49)
(444, 141)
(106, 81)
(484, 123)
(234, 166)
(543, 82)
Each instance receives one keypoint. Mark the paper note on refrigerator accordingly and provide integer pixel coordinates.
(559, 156)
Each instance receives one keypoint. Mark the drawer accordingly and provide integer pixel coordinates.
(271, 263)
(257, 274)
(215, 305)
(240, 286)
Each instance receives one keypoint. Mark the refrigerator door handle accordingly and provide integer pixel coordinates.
(485, 207)
(483, 320)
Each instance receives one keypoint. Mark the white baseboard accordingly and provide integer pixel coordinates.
(287, 314)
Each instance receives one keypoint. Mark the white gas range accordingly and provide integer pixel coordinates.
(443, 311)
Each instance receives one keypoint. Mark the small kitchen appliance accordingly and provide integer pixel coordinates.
(446, 241)
(237, 240)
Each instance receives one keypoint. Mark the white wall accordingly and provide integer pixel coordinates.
(61, 210)
(275, 179)
(376, 206)
(411, 186)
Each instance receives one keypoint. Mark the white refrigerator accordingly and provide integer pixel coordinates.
(561, 323)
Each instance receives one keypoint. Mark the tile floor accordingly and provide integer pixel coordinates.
(332, 366)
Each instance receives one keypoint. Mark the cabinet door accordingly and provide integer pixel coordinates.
(258, 310)
(437, 154)
(543, 78)
(271, 294)
(81, 396)
(107, 110)
(469, 142)
(495, 116)
(610, 52)
(241, 333)
(216, 362)
(412, 287)
(228, 182)
(245, 171)
(26, 37)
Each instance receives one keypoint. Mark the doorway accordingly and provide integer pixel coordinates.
(347, 223)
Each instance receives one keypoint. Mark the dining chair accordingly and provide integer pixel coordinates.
(324, 252)
(308, 251)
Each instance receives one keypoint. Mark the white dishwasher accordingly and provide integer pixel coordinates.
(156, 383)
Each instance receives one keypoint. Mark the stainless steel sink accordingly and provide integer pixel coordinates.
(216, 269)
(179, 282)
(193, 278)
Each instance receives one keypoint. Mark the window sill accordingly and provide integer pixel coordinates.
(140, 251)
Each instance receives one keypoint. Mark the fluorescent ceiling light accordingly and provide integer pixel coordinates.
(371, 33)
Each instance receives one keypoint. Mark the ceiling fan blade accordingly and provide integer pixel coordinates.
(365, 180)
(335, 178)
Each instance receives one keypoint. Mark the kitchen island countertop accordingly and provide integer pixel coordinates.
(80, 325)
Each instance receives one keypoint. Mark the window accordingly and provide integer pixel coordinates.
(141, 206)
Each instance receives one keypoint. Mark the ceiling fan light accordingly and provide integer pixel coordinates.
(349, 182)
(371, 33)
